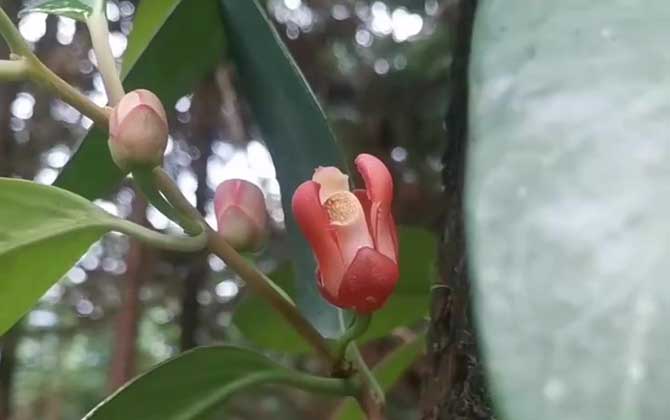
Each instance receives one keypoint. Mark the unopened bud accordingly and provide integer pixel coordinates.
(138, 131)
(240, 214)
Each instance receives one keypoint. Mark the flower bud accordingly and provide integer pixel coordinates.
(138, 131)
(240, 214)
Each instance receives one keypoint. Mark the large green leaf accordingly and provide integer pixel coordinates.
(75, 9)
(174, 43)
(43, 232)
(387, 372)
(193, 384)
(294, 129)
(568, 197)
(408, 304)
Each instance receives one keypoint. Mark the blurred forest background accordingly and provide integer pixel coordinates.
(380, 70)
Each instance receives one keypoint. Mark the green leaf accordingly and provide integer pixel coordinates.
(294, 129)
(43, 232)
(174, 43)
(387, 372)
(75, 9)
(191, 385)
(568, 197)
(408, 304)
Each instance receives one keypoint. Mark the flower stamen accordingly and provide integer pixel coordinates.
(342, 207)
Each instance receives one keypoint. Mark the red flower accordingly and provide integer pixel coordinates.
(353, 235)
(239, 207)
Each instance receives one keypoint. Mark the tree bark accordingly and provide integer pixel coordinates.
(454, 386)
(139, 262)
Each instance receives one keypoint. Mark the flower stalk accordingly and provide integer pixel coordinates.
(159, 240)
(13, 70)
(357, 328)
(99, 31)
(371, 398)
(41, 74)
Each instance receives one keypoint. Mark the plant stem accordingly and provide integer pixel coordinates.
(333, 386)
(371, 397)
(12, 70)
(159, 240)
(13, 37)
(97, 27)
(254, 278)
(44, 76)
(357, 328)
(260, 284)
(145, 181)
(41, 74)
(323, 385)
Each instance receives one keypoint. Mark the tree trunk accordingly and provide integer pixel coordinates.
(139, 262)
(454, 386)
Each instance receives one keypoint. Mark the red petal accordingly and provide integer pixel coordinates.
(377, 178)
(379, 189)
(368, 282)
(362, 196)
(313, 221)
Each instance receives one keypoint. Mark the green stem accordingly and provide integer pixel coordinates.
(99, 31)
(337, 387)
(263, 286)
(145, 181)
(12, 70)
(254, 278)
(319, 384)
(157, 239)
(16, 43)
(371, 398)
(357, 328)
(41, 74)
(50, 80)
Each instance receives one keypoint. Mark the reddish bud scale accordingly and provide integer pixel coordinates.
(353, 235)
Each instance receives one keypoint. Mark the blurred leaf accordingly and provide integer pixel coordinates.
(408, 304)
(568, 197)
(294, 129)
(75, 9)
(43, 232)
(388, 372)
(174, 43)
(191, 385)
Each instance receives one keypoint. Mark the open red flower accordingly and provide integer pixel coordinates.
(352, 234)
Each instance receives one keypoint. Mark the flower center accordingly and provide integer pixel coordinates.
(342, 208)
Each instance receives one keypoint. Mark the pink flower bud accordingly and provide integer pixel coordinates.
(353, 234)
(240, 214)
(138, 131)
